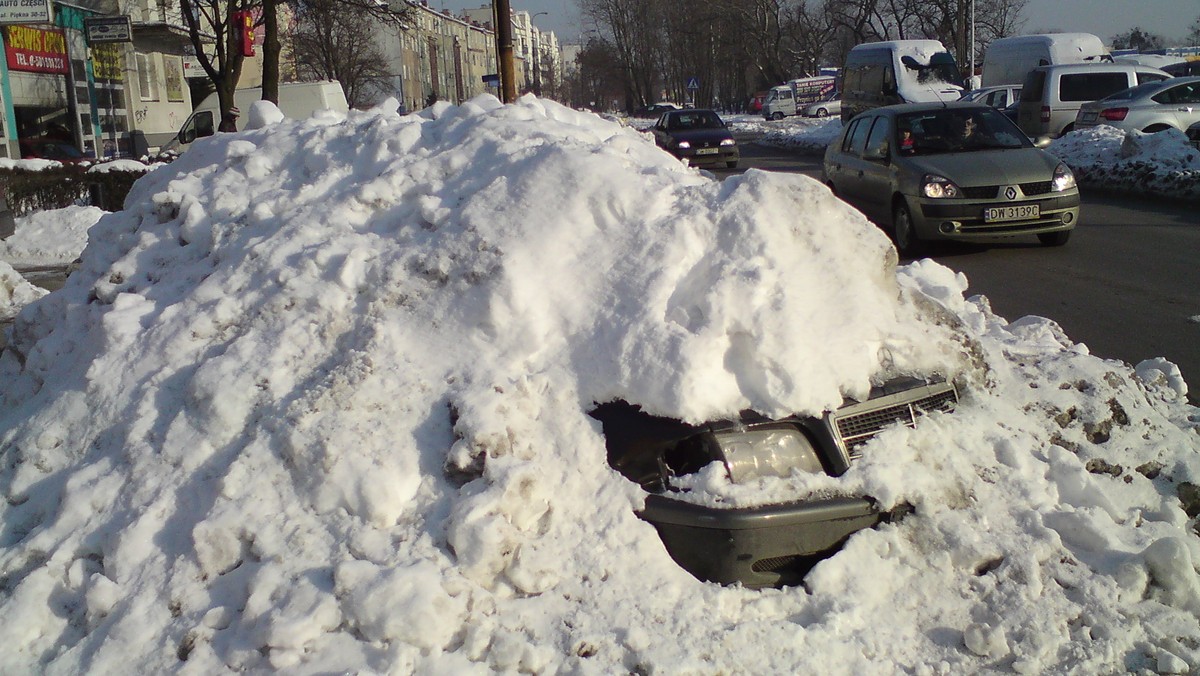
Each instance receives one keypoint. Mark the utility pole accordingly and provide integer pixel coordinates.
(504, 51)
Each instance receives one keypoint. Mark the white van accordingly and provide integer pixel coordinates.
(899, 71)
(1052, 95)
(792, 98)
(297, 100)
(1008, 60)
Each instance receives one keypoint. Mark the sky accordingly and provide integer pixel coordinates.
(317, 401)
(1105, 18)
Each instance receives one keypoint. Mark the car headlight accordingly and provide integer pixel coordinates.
(727, 141)
(776, 450)
(939, 187)
(1063, 178)
(683, 145)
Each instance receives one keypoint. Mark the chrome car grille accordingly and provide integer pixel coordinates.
(856, 423)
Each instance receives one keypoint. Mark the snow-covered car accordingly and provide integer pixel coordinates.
(1150, 107)
(955, 171)
(830, 105)
(774, 544)
(697, 136)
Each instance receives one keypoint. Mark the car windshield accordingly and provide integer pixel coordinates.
(954, 130)
(941, 68)
(696, 119)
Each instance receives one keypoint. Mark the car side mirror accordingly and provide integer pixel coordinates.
(1042, 141)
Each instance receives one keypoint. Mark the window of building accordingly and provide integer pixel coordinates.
(147, 77)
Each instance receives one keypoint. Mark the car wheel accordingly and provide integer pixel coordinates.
(777, 116)
(908, 243)
(821, 112)
(1155, 128)
(829, 184)
(731, 165)
(1055, 238)
(1068, 129)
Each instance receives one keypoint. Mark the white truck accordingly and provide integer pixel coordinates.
(297, 100)
(792, 98)
(1009, 60)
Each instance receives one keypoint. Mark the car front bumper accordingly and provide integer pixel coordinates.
(764, 546)
(963, 219)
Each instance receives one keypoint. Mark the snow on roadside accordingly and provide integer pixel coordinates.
(54, 237)
(1162, 164)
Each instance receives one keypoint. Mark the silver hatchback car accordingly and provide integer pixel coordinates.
(953, 171)
(1150, 107)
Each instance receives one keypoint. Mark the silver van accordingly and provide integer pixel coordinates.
(1052, 95)
(898, 71)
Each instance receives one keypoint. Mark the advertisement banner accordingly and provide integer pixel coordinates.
(106, 63)
(36, 50)
(25, 11)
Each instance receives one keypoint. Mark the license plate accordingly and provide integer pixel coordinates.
(707, 151)
(1014, 213)
(1089, 117)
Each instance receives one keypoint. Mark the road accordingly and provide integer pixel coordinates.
(1127, 285)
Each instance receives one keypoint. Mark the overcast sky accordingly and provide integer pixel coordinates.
(1105, 18)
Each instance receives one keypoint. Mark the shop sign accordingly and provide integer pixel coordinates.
(106, 63)
(36, 50)
(25, 11)
(107, 29)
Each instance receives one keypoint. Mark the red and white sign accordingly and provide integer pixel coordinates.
(36, 50)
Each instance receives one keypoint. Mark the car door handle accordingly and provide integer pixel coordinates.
(860, 173)
(1185, 109)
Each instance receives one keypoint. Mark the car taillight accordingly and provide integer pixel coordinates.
(1045, 114)
(1114, 114)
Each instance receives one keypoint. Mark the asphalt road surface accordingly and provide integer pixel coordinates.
(1127, 285)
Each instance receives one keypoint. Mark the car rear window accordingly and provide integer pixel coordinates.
(1090, 86)
(1035, 83)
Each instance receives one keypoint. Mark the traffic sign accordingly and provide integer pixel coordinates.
(693, 83)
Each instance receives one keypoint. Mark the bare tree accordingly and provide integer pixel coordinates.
(222, 20)
(331, 43)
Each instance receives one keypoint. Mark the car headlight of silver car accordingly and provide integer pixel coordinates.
(770, 450)
(1064, 179)
(727, 141)
(683, 145)
(939, 187)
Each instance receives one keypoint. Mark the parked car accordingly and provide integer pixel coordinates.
(45, 148)
(1000, 96)
(830, 105)
(654, 110)
(955, 171)
(697, 136)
(1193, 134)
(1186, 68)
(1052, 95)
(1150, 107)
(774, 544)
(898, 71)
(1009, 60)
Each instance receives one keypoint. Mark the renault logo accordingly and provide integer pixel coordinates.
(1011, 192)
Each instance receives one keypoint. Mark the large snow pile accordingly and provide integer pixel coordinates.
(1162, 164)
(317, 401)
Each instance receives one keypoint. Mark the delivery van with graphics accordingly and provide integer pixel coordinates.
(297, 100)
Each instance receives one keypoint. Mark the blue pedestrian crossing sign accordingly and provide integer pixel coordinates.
(693, 83)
